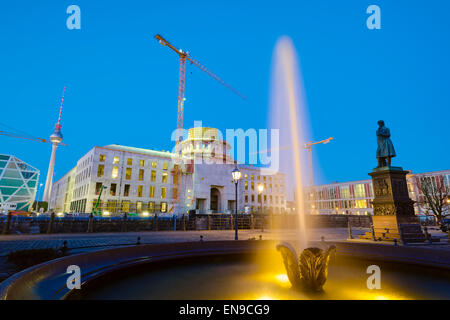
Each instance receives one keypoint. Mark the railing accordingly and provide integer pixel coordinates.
(30, 225)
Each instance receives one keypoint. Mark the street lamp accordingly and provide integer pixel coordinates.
(260, 191)
(236, 177)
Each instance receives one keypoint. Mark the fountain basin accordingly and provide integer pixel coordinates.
(232, 270)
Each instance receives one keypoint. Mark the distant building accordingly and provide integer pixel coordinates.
(18, 184)
(145, 181)
(355, 197)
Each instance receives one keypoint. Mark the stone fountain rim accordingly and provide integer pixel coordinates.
(48, 280)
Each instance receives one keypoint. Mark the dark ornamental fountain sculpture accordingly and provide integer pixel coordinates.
(310, 271)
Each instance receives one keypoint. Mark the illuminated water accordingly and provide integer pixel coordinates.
(288, 114)
(215, 278)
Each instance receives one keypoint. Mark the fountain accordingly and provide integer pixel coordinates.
(311, 270)
(288, 101)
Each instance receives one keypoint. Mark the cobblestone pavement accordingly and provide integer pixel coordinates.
(94, 241)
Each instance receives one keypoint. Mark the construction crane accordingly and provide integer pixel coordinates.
(13, 135)
(311, 173)
(184, 55)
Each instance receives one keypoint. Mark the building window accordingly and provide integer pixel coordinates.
(253, 185)
(164, 177)
(165, 166)
(115, 172)
(139, 206)
(151, 206)
(163, 192)
(359, 191)
(246, 185)
(112, 190)
(345, 192)
(126, 190)
(163, 207)
(253, 198)
(129, 162)
(116, 160)
(152, 191)
(102, 158)
(100, 170)
(141, 174)
(246, 198)
(153, 176)
(264, 178)
(252, 177)
(245, 176)
(142, 163)
(154, 164)
(265, 198)
(139, 191)
(128, 174)
(98, 187)
(126, 206)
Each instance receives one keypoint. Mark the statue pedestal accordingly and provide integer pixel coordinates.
(393, 210)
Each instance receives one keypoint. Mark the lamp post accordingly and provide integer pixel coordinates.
(260, 191)
(236, 177)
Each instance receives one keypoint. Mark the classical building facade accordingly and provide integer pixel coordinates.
(355, 197)
(138, 180)
(18, 184)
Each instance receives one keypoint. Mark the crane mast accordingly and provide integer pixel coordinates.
(184, 55)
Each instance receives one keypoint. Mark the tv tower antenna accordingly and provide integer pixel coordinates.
(56, 138)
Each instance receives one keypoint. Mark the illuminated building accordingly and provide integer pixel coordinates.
(355, 197)
(145, 181)
(18, 184)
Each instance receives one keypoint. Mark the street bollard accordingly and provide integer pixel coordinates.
(138, 242)
(201, 238)
(252, 221)
(349, 228)
(7, 224)
(155, 227)
(90, 223)
(125, 222)
(184, 222)
(64, 248)
(372, 229)
(209, 222)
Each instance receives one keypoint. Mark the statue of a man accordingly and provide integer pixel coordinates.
(385, 150)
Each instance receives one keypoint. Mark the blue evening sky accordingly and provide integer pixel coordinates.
(122, 85)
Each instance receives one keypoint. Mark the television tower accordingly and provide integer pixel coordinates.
(56, 138)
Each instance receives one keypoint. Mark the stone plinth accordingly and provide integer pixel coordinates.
(393, 210)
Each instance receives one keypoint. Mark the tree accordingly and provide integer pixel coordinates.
(435, 196)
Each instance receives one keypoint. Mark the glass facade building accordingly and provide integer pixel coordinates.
(18, 183)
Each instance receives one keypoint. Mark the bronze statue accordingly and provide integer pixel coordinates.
(385, 149)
